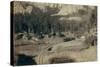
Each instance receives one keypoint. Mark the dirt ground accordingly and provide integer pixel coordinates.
(56, 52)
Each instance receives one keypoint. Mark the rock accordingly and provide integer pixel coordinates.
(74, 45)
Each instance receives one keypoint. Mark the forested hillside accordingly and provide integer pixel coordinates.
(51, 18)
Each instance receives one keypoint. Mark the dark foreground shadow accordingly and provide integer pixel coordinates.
(25, 60)
(61, 60)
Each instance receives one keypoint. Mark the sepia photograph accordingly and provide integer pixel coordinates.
(52, 33)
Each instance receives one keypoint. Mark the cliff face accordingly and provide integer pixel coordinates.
(65, 9)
